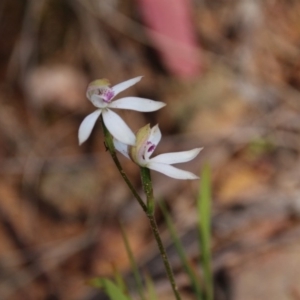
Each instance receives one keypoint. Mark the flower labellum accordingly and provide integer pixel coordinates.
(146, 141)
(101, 95)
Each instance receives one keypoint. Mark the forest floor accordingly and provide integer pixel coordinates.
(61, 203)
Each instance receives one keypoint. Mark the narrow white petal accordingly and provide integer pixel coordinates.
(87, 126)
(176, 157)
(136, 103)
(121, 147)
(118, 128)
(125, 85)
(98, 101)
(171, 171)
(152, 141)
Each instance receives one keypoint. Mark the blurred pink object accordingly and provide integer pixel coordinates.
(172, 33)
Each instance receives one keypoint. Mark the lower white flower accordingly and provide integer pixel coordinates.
(146, 141)
(101, 95)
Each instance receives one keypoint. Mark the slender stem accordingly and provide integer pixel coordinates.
(164, 256)
(147, 185)
(148, 209)
(111, 148)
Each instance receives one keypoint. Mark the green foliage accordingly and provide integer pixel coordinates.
(182, 254)
(120, 281)
(150, 288)
(110, 288)
(203, 291)
(204, 227)
(134, 267)
(259, 147)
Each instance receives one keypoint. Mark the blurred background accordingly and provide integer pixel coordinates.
(229, 72)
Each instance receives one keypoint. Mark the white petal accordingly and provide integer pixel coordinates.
(152, 141)
(118, 128)
(171, 171)
(125, 85)
(136, 103)
(98, 101)
(121, 147)
(176, 157)
(87, 126)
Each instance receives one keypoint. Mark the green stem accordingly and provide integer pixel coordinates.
(147, 185)
(111, 148)
(148, 209)
(164, 256)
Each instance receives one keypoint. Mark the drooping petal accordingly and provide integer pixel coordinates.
(153, 140)
(176, 157)
(98, 101)
(125, 85)
(138, 104)
(87, 126)
(118, 128)
(171, 171)
(121, 147)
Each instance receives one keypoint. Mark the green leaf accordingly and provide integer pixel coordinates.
(134, 267)
(120, 281)
(110, 289)
(204, 227)
(150, 288)
(181, 252)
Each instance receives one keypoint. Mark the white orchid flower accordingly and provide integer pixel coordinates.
(101, 95)
(146, 141)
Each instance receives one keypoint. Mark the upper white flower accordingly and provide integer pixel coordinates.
(146, 141)
(101, 95)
